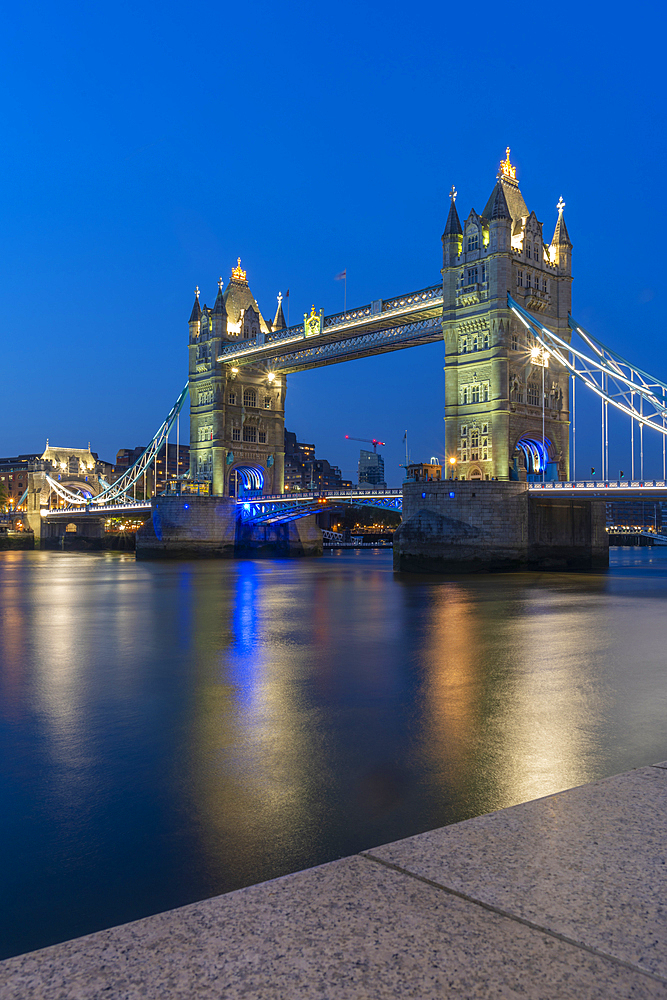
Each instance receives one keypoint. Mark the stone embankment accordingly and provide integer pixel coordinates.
(562, 898)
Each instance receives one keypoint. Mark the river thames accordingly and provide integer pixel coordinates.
(171, 731)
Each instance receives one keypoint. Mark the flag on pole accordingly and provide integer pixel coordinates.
(342, 276)
(287, 294)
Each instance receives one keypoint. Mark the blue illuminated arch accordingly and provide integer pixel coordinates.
(251, 478)
(535, 453)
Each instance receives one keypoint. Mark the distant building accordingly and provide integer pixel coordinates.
(635, 514)
(371, 468)
(424, 472)
(60, 463)
(156, 475)
(303, 471)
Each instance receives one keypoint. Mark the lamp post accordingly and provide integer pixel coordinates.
(452, 464)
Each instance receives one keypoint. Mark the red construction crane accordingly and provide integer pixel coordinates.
(374, 442)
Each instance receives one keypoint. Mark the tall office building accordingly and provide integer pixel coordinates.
(371, 468)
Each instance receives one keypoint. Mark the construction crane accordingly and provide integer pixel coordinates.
(374, 442)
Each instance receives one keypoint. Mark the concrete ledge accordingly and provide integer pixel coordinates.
(558, 898)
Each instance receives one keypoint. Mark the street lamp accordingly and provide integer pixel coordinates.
(452, 463)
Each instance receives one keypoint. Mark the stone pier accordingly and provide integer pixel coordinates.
(207, 527)
(482, 526)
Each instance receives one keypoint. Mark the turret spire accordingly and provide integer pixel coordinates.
(219, 307)
(453, 225)
(561, 236)
(279, 321)
(195, 315)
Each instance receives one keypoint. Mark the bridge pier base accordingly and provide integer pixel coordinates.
(295, 538)
(193, 527)
(480, 526)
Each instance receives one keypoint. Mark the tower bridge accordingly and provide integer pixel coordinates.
(513, 357)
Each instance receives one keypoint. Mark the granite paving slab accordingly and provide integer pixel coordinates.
(589, 864)
(350, 929)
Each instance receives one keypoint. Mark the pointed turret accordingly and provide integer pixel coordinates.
(452, 238)
(560, 251)
(195, 315)
(561, 235)
(279, 321)
(453, 225)
(219, 307)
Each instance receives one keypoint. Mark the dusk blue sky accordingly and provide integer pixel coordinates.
(147, 146)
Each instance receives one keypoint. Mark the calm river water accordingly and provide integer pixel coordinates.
(171, 731)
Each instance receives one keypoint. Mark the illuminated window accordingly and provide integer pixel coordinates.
(533, 394)
(236, 433)
(267, 402)
(519, 278)
(249, 397)
(262, 437)
(473, 240)
(231, 399)
(250, 434)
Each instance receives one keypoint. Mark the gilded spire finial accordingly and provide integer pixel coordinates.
(280, 299)
(238, 274)
(453, 193)
(506, 168)
(560, 206)
(220, 284)
(197, 292)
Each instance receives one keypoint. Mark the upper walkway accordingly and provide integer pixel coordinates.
(375, 328)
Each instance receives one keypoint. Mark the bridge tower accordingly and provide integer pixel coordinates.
(493, 368)
(237, 416)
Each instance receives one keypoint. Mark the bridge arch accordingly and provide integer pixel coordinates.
(246, 478)
(537, 454)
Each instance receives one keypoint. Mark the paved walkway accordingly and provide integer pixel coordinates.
(564, 897)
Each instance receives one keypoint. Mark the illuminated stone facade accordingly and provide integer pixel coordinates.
(237, 417)
(493, 370)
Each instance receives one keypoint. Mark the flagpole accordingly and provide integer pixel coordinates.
(345, 295)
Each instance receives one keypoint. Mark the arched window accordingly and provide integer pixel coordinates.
(474, 343)
(249, 397)
(465, 395)
(486, 341)
(486, 393)
(464, 346)
(475, 394)
(473, 240)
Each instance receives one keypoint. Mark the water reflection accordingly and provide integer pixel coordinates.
(173, 731)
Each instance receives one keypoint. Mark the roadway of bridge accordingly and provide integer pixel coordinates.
(645, 489)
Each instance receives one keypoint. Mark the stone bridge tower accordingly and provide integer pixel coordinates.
(493, 369)
(237, 415)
